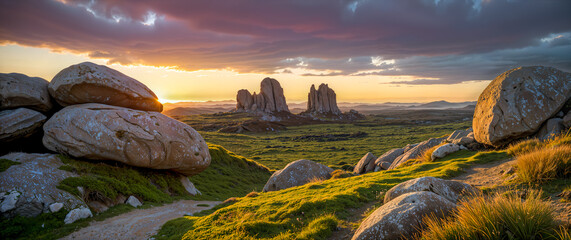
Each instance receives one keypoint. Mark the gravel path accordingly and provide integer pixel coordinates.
(140, 223)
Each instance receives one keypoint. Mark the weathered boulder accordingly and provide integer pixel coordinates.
(409, 147)
(444, 150)
(516, 103)
(415, 152)
(297, 173)
(567, 120)
(91, 83)
(55, 207)
(18, 90)
(322, 101)
(451, 190)
(387, 158)
(77, 214)
(461, 137)
(138, 138)
(36, 178)
(270, 100)
(9, 201)
(402, 217)
(551, 127)
(366, 164)
(133, 201)
(19, 123)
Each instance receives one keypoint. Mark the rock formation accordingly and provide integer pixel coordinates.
(385, 160)
(366, 164)
(91, 83)
(271, 98)
(18, 90)
(19, 123)
(297, 173)
(451, 190)
(518, 102)
(322, 101)
(415, 152)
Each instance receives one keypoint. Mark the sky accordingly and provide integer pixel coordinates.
(366, 50)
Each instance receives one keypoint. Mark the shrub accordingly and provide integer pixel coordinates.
(544, 164)
(497, 217)
(525, 146)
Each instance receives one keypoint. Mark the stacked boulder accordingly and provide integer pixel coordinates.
(271, 99)
(322, 101)
(106, 116)
(406, 204)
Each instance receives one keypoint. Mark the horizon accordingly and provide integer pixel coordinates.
(366, 51)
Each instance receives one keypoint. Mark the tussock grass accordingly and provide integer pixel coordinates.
(498, 217)
(341, 174)
(545, 164)
(525, 146)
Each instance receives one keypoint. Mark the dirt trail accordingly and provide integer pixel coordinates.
(486, 175)
(140, 223)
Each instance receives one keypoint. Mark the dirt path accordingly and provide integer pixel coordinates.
(140, 223)
(486, 175)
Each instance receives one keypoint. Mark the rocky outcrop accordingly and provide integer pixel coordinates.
(137, 138)
(91, 83)
(271, 98)
(19, 123)
(402, 217)
(297, 173)
(322, 101)
(36, 178)
(384, 161)
(444, 150)
(451, 190)
(366, 164)
(461, 137)
(518, 102)
(18, 90)
(415, 152)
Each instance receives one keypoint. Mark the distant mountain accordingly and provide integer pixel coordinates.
(442, 105)
(183, 111)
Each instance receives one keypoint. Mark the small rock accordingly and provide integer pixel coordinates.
(55, 207)
(189, 186)
(551, 127)
(77, 214)
(366, 164)
(10, 201)
(98, 206)
(133, 201)
(444, 150)
(382, 166)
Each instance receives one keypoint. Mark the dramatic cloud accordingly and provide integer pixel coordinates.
(448, 41)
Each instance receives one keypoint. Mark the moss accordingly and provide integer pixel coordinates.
(5, 164)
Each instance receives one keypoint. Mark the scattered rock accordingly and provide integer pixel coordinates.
(551, 127)
(451, 190)
(55, 207)
(133, 201)
(366, 164)
(19, 123)
(271, 98)
(138, 138)
(297, 173)
(516, 103)
(97, 206)
(444, 150)
(388, 157)
(461, 137)
(382, 166)
(322, 101)
(91, 83)
(18, 90)
(9, 201)
(77, 214)
(415, 152)
(402, 217)
(189, 187)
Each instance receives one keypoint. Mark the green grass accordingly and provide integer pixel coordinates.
(298, 212)
(5, 164)
(277, 149)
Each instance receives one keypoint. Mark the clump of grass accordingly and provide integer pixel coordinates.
(341, 174)
(319, 228)
(5, 164)
(525, 146)
(496, 217)
(544, 164)
(561, 139)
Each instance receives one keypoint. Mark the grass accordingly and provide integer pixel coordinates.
(544, 164)
(5, 164)
(502, 216)
(426, 156)
(299, 212)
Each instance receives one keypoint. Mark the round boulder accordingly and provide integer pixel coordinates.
(297, 173)
(516, 103)
(451, 190)
(18, 90)
(91, 83)
(137, 138)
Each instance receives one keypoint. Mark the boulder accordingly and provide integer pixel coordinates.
(409, 147)
(451, 190)
(189, 187)
(517, 103)
(55, 207)
(389, 157)
(18, 90)
(36, 178)
(297, 173)
(19, 123)
(77, 214)
(133, 201)
(444, 150)
(366, 164)
(97, 206)
(567, 120)
(382, 166)
(461, 137)
(9, 201)
(402, 217)
(137, 138)
(551, 127)
(270, 100)
(91, 83)
(415, 152)
(322, 101)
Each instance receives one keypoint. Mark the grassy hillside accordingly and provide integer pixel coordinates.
(313, 210)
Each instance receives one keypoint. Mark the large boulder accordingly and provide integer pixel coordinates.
(415, 152)
(297, 173)
(91, 83)
(516, 103)
(402, 217)
(366, 164)
(36, 178)
(138, 138)
(451, 190)
(270, 100)
(18, 90)
(387, 159)
(19, 123)
(322, 101)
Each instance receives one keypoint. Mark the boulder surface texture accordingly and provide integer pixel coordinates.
(19, 123)
(297, 173)
(451, 190)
